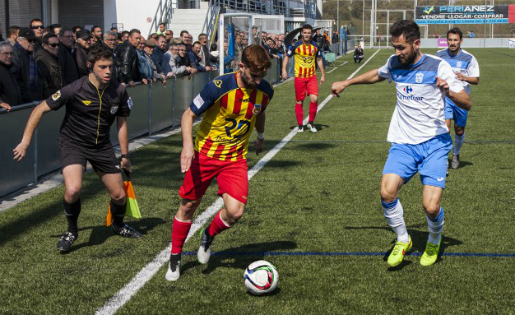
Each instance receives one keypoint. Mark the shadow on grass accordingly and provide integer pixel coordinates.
(317, 126)
(100, 233)
(240, 257)
(312, 146)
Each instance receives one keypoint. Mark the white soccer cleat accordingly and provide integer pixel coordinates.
(204, 251)
(311, 128)
(174, 268)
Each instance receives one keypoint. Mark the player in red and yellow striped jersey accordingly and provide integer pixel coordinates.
(231, 105)
(305, 52)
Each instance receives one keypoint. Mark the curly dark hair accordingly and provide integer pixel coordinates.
(98, 52)
(408, 28)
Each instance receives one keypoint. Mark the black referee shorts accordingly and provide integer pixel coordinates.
(102, 158)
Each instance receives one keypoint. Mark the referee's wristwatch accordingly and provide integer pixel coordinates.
(126, 156)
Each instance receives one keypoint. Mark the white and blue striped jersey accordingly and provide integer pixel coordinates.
(419, 114)
(464, 62)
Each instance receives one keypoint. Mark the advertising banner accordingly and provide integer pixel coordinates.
(511, 43)
(466, 14)
(442, 43)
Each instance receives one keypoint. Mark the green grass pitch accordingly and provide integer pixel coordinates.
(319, 194)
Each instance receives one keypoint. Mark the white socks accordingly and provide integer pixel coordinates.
(394, 215)
(435, 227)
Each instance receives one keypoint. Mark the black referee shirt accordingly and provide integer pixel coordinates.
(90, 112)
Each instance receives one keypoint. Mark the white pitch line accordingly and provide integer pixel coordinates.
(336, 67)
(147, 272)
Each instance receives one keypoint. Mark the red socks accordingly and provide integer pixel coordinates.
(299, 112)
(217, 225)
(313, 106)
(180, 231)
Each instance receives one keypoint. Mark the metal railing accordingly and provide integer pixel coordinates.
(163, 15)
(210, 23)
(156, 107)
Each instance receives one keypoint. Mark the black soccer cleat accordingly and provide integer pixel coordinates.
(65, 242)
(126, 231)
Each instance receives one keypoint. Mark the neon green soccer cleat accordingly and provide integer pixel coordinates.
(430, 254)
(399, 250)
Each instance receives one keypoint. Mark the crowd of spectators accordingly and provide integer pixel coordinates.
(37, 61)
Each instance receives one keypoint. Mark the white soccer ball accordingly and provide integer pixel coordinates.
(261, 277)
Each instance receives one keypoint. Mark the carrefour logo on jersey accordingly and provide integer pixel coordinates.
(407, 89)
(408, 97)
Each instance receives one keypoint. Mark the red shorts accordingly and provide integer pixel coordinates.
(303, 85)
(231, 176)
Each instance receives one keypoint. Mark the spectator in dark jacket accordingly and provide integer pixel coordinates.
(158, 56)
(127, 58)
(24, 68)
(110, 40)
(48, 67)
(66, 57)
(81, 53)
(206, 60)
(9, 92)
(194, 56)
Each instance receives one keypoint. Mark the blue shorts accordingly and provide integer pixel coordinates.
(455, 113)
(428, 158)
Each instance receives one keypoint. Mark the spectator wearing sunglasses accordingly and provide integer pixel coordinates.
(48, 67)
(39, 30)
(24, 68)
(81, 53)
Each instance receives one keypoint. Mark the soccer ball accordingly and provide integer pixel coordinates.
(261, 277)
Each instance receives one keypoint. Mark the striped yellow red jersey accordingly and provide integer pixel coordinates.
(229, 116)
(305, 57)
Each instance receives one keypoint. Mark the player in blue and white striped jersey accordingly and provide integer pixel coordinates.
(466, 68)
(418, 133)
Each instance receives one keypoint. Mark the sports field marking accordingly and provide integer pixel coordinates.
(384, 141)
(337, 67)
(495, 52)
(262, 254)
(147, 272)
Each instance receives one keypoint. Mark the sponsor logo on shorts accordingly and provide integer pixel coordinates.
(86, 102)
(244, 197)
(130, 103)
(114, 109)
(440, 179)
(56, 95)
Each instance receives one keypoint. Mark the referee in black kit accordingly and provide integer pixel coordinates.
(92, 104)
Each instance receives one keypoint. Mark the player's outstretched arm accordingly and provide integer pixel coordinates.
(32, 124)
(123, 139)
(369, 77)
(260, 128)
(188, 152)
